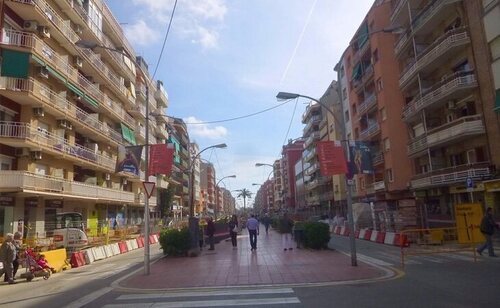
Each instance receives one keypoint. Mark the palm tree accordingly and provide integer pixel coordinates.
(244, 193)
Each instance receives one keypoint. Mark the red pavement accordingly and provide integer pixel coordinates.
(240, 267)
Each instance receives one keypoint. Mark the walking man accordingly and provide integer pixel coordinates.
(7, 256)
(285, 227)
(267, 222)
(253, 231)
(210, 232)
(487, 228)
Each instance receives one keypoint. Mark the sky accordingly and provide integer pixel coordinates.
(226, 59)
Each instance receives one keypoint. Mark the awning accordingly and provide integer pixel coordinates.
(91, 101)
(37, 60)
(75, 89)
(15, 63)
(56, 74)
(128, 134)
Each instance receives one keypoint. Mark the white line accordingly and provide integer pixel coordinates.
(88, 298)
(430, 259)
(373, 260)
(470, 258)
(214, 303)
(207, 293)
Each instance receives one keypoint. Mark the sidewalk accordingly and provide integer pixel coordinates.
(269, 265)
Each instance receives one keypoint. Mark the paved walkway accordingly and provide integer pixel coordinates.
(269, 265)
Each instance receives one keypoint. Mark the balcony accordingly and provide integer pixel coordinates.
(378, 158)
(313, 120)
(311, 139)
(312, 169)
(378, 186)
(367, 104)
(19, 134)
(372, 130)
(453, 175)
(456, 131)
(140, 133)
(140, 199)
(312, 107)
(138, 110)
(31, 92)
(310, 155)
(161, 182)
(161, 131)
(312, 184)
(367, 74)
(161, 96)
(457, 86)
(326, 196)
(417, 145)
(434, 54)
(399, 9)
(115, 27)
(140, 92)
(29, 182)
(117, 110)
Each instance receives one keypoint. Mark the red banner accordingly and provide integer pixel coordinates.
(331, 158)
(161, 159)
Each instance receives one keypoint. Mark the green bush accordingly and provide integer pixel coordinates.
(175, 242)
(316, 235)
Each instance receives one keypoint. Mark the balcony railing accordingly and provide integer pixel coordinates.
(441, 46)
(28, 181)
(43, 94)
(161, 97)
(378, 158)
(314, 120)
(367, 74)
(397, 9)
(452, 175)
(373, 129)
(118, 111)
(161, 131)
(380, 185)
(461, 80)
(312, 138)
(417, 145)
(429, 12)
(461, 128)
(54, 144)
(115, 26)
(368, 103)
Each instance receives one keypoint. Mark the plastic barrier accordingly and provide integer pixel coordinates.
(107, 251)
(346, 232)
(133, 244)
(389, 238)
(337, 230)
(77, 259)
(123, 247)
(356, 233)
(155, 237)
(401, 240)
(99, 253)
(368, 234)
(374, 235)
(129, 245)
(89, 256)
(380, 237)
(151, 239)
(57, 259)
(362, 233)
(115, 248)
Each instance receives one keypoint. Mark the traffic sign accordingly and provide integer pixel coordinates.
(469, 183)
(149, 187)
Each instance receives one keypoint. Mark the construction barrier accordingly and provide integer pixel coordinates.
(129, 245)
(373, 237)
(89, 256)
(107, 251)
(368, 234)
(389, 238)
(123, 247)
(132, 244)
(99, 253)
(337, 230)
(151, 239)
(155, 237)
(115, 248)
(57, 259)
(380, 237)
(77, 259)
(362, 233)
(356, 233)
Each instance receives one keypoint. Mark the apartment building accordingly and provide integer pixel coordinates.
(290, 154)
(207, 187)
(370, 70)
(445, 76)
(278, 186)
(66, 111)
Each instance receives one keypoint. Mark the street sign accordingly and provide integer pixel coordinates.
(149, 187)
(469, 183)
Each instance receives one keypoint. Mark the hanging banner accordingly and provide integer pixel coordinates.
(331, 158)
(360, 159)
(129, 159)
(161, 158)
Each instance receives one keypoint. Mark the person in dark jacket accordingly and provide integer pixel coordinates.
(487, 228)
(233, 230)
(285, 227)
(210, 232)
(7, 256)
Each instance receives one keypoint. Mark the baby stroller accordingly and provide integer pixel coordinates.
(32, 268)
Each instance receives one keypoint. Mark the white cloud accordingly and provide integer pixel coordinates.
(141, 32)
(196, 21)
(204, 130)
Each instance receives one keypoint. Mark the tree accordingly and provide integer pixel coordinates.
(244, 193)
(166, 198)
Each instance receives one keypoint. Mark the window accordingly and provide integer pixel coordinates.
(342, 72)
(95, 18)
(344, 93)
(389, 176)
(346, 116)
(383, 113)
(375, 56)
(41, 169)
(380, 86)
(362, 184)
(387, 144)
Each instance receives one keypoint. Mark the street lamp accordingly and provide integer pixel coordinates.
(217, 199)
(90, 45)
(352, 240)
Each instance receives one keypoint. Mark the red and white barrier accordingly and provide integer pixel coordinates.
(389, 238)
(373, 237)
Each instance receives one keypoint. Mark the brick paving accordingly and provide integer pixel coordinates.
(269, 265)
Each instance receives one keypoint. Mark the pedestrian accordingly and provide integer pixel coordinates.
(7, 256)
(267, 222)
(17, 244)
(285, 228)
(233, 230)
(210, 232)
(253, 231)
(487, 228)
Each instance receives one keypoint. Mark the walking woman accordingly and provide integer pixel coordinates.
(233, 230)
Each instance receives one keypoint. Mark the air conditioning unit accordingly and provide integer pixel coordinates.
(44, 31)
(38, 112)
(124, 181)
(36, 155)
(30, 25)
(78, 61)
(78, 29)
(64, 124)
(43, 72)
(107, 176)
(22, 152)
(451, 105)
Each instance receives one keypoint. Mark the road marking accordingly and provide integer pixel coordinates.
(430, 259)
(205, 293)
(373, 260)
(214, 303)
(88, 298)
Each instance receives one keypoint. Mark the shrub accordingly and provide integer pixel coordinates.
(316, 235)
(175, 242)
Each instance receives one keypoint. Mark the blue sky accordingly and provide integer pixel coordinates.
(229, 58)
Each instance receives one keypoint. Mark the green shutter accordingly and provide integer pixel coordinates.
(497, 101)
(356, 72)
(15, 63)
(128, 134)
(75, 89)
(363, 35)
(54, 73)
(91, 101)
(132, 137)
(38, 60)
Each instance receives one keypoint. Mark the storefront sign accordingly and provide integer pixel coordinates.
(7, 201)
(54, 204)
(31, 202)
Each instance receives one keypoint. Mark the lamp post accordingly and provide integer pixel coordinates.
(352, 240)
(217, 199)
(91, 45)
